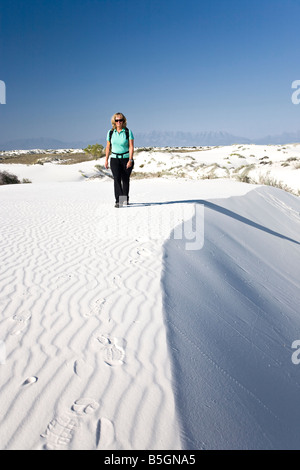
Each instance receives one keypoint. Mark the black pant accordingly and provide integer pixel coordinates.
(121, 176)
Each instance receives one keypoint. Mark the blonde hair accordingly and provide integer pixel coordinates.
(114, 117)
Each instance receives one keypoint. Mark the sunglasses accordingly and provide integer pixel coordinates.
(119, 120)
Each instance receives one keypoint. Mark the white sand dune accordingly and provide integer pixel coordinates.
(232, 313)
(119, 337)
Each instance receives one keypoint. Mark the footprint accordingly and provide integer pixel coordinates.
(85, 406)
(96, 308)
(60, 431)
(21, 320)
(82, 369)
(112, 354)
(105, 434)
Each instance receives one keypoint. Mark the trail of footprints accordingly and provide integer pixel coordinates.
(61, 430)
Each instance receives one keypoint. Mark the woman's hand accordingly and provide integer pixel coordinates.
(131, 150)
(106, 163)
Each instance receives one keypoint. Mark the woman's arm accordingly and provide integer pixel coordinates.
(107, 152)
(131, 150)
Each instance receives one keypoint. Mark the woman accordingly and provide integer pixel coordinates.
(120, 144)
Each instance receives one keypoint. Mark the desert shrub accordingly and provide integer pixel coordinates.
(270, 181)
(8, 178)
(242, 173)
(95, 150)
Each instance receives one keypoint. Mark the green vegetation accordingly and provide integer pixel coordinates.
(96, 150)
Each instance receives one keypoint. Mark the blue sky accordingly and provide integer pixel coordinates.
(190, 65)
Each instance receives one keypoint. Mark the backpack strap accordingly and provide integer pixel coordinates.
(126, 133)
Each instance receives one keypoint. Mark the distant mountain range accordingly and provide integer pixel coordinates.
(157, 139)
(41, 143)
(181, 139)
